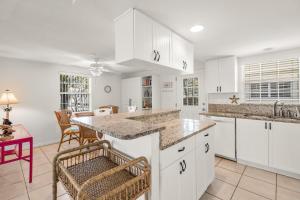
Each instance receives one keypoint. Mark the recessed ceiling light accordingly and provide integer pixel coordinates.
(197, 28)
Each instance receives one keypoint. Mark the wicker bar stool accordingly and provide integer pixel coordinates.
(98, 172)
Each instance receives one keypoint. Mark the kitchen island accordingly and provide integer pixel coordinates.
(180, 150)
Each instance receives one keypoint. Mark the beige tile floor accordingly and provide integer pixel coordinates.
(233, 181)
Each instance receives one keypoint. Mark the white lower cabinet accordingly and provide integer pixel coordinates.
(252, 141)
(178, 180)
(205, 161)
(284, 147)
(269, 144)
(188, 177)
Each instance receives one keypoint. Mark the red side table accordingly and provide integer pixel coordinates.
(21, 136)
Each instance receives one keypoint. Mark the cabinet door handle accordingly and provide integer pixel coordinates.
(207, 147)
(182, 149)
(220, 88)
(217, 88)
(270, 126)
(184, 165)
(181, 170)
(155, 55)
(158, 56)
(266, 125)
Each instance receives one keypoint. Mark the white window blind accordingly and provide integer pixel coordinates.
(278, 80)
(74, 92)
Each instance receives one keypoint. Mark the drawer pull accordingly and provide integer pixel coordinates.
(182, 149)
(181, 170)
(206, 135)
(206, 147)
(184, 165)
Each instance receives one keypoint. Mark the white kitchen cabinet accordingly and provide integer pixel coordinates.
(284, 146)
(212, 76)
(252, 141)
(161, 43)
(178, 180)
(221, 75)
(228, 75)
(224, 137)
(182, 54)
(209, 155)
(205, 161)
(141, 41)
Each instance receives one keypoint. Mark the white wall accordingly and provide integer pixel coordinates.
(36, 85)
(265, 57)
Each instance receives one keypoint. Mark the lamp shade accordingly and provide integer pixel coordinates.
(7, 98)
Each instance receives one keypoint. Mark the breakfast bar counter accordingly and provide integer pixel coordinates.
(170, 144)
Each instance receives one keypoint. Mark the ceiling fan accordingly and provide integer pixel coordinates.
(97, 68)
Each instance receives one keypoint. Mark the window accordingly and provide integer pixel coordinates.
(272, 81)
(74, 92)
(190, 92)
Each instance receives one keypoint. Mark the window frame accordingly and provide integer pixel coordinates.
(278, 81)
(88, 93)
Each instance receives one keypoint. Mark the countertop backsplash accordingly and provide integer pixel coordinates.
(250, 108)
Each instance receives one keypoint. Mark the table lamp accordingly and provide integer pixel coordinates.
(7, 98)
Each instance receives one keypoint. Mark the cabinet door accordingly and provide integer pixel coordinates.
(284, 147)
(187, 178)
(189, 58)
(228, 75)
(209, 155)
(201, 166)
(212, 76)
(252, 141)
(178, 49)
(161, 43)
(170, 182)
(224, 137)
(143, 37)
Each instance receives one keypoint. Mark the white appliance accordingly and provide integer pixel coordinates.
(225, 137)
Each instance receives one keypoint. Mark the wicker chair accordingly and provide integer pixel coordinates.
(69, 130)
(98, 172)
(87, 135)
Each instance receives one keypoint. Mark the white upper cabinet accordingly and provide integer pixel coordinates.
(139, 40)
(221, 75)
(212, 76)
(182, 54)
(143, 40)
(161, 44)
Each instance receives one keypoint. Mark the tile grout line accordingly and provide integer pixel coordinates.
(276, 187)
(261, 179)
(254, 192)
(24, 180)
(238, 182)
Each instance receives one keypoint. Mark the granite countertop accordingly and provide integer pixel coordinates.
(129, 126)
(250, 116)
(124, 125)
(178, 130)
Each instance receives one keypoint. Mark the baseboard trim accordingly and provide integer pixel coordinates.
(270, 169)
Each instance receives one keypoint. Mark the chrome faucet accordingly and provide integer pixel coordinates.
(275, 108)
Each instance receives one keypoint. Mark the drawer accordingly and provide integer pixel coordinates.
(173, 153)
(204, 136)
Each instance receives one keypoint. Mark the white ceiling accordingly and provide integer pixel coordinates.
(61, 32)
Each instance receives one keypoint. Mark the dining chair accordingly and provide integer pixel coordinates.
(68, 129)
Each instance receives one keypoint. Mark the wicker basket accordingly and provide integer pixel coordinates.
(98, 172)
